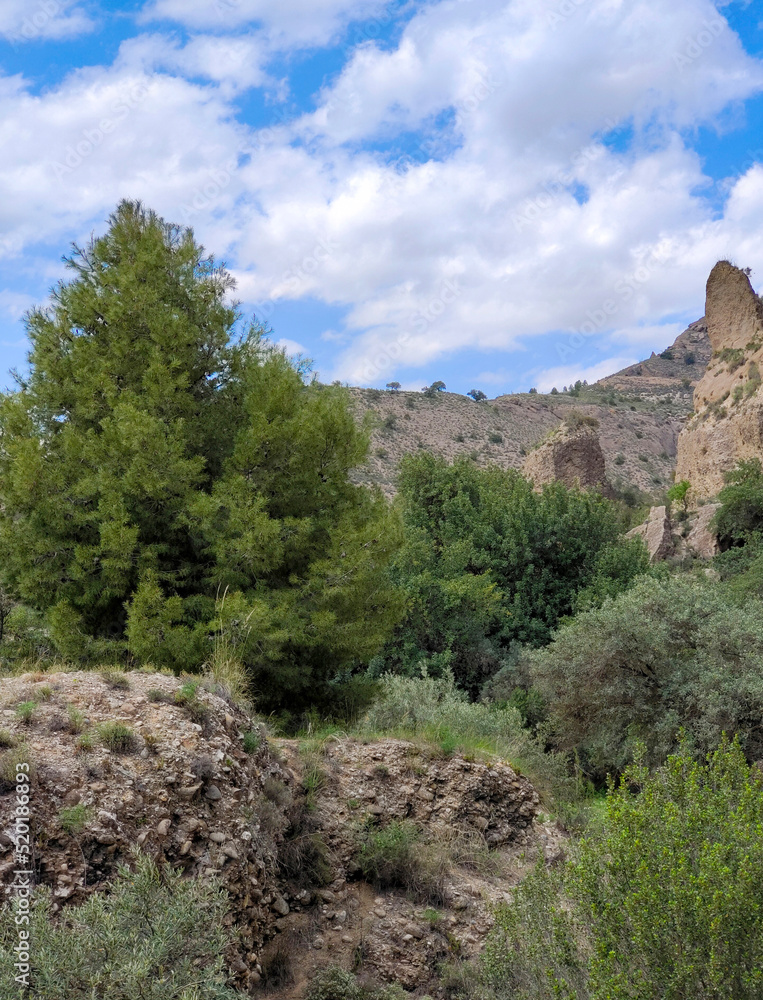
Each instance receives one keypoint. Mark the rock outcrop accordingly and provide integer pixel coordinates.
(571, 454)
(727, 424)
(193, 781)
(702, 539)
(656, 534)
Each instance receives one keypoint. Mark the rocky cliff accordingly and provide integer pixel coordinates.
(727, 424)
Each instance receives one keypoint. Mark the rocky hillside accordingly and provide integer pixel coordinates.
(144, 759)
(640, 411)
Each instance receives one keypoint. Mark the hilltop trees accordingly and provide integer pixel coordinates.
(153, 459)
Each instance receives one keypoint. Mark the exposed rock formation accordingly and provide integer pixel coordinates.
(728, 421)
(685, 359)
(185, 790)
(656, 533)
(571, 454)
(702, 540)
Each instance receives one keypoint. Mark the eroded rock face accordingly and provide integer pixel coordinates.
(572, 455)
(656, 534)
(727, 425)
(702, 540)
(186, 792)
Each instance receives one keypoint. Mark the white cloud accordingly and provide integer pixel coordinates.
(21, 21)
(524, 221)
(291, 347)
(570, 374)
(650, 337)
(286, 21)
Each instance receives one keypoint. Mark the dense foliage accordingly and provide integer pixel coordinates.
(740, 517)
(670, 653)
(140, 940)
(489, 562)
(152, 460)
(662, 904)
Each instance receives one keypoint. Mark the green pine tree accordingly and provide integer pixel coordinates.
(153, 458)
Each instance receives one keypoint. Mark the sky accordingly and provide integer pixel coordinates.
(497, 194)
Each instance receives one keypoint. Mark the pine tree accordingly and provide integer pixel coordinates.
(154, 457)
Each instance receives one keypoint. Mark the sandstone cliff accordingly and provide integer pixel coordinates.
(727, 424)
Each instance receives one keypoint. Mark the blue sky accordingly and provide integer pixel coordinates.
(495, 193)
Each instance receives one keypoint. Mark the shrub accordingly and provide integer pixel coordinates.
(154, 935)
(397, 857)
(619, 459)
(669, 653)
(73, 819)
(662, 902)
(495, 438)
(252, 740)
(117, 737)
(115, 679)
(7, 740)
(740, 516)
(25, 712)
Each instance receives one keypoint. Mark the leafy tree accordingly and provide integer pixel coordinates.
(489, 562)
(669, 653)
(153, 458)
(740, 516)
(393, 386)
(663, 902)
(155, 935)
(679, 493)
(433, 389)
(477, 395)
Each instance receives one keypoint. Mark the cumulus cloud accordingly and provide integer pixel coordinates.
(21, 21)
(287, 21)
(503, 170)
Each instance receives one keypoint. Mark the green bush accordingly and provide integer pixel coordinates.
(663, 902)
(487, 561)
(397, 857)
(740, 516)
(670, 653)
(117, 737)
(154, 935)
(434, 709)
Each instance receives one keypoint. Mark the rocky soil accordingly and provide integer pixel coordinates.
(198, 784)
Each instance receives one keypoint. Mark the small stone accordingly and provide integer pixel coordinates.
(280, 906)
(347, 938)
(163, 828)
(407, 938)
(189, 791)
(318, 942)
(142, 838)
(341, 916)
(326, 895)
(229, 850)
(186, 847)
(425, 795)
(217, 838)
(213, 793)
(414, 931)
(380, 912)
(73, 797)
